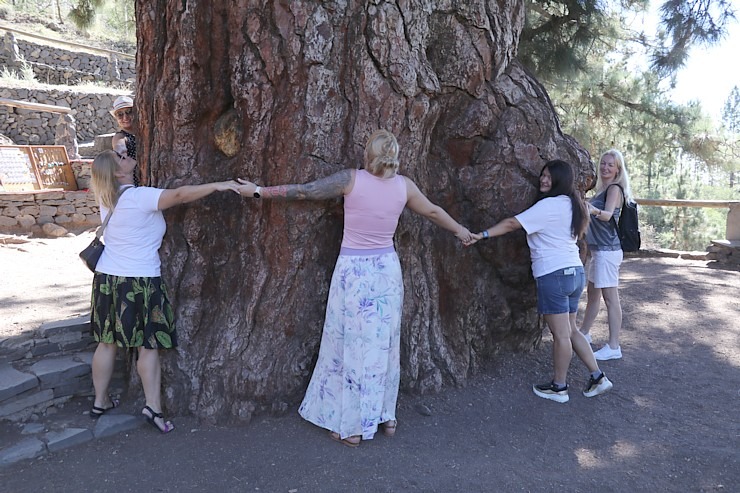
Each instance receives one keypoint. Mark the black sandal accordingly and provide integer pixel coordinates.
(97, 412)
(168, 426)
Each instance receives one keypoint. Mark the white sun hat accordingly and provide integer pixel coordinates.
(121, 102)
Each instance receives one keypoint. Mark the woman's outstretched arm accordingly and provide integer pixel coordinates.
(420, 204)
(500, 228)
(188, 193)
(333, 186)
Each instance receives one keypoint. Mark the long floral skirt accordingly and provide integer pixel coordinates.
(354, 386)
(132, 312)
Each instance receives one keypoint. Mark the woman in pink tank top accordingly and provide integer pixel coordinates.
(354, 386)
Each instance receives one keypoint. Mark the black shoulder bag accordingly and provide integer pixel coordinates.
(91, 254)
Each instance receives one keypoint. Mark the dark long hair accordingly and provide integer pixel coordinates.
(563, 183)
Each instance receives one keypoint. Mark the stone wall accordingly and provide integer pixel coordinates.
(28, 127)
(44, 211)
(59, 66)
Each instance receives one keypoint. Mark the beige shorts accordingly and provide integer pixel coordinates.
(602, 268)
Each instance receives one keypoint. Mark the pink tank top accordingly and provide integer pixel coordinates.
(371, 211)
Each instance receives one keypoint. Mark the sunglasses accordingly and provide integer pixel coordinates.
(128, 112)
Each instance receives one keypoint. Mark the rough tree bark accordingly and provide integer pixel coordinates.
(288, 91)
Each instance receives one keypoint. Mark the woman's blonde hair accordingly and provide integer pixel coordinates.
(381, 154)
(104, 181)
(622, 178)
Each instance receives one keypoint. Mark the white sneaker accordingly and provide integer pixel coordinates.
(607, 353)
(597, 386)
(588, 337)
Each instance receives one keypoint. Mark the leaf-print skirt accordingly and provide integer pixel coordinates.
(354, 386)
(132, 312)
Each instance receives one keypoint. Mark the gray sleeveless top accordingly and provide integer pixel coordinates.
(602, 235)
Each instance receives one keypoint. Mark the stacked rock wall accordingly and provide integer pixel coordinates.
(29, 127)
(41, 210)
(59, 66)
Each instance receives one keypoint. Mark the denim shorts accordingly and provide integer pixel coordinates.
(559, 291)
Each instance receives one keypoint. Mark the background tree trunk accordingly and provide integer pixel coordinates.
(289, 91)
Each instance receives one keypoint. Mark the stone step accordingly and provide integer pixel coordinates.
(47, 382)
(52, 338)
(48, 367)
(35, 441)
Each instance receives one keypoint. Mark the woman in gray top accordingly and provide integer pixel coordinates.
(602, 270)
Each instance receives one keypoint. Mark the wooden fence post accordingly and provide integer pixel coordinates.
(10, 46)
(733, 223)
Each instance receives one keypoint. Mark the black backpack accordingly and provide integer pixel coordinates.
(628, 228)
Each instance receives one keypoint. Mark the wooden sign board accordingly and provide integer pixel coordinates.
(16, 170)
(35, 167)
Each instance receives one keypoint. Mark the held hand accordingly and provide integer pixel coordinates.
(245, 188)
(120, 147)
(476, 238)
(222, 186)
(465, 236)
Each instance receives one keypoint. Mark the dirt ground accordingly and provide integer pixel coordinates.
(670, 424)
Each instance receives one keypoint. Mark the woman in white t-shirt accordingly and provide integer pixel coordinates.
(553, 224)
(130, 307)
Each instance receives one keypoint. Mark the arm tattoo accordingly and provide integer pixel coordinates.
(325, 188)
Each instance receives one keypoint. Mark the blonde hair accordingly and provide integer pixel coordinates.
(622, 179)
(381, 154)
(103, 178)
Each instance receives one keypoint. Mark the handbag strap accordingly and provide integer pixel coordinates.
(624, 202)
(100, 230)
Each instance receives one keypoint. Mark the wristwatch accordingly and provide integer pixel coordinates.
(257, 192)
(485, 234)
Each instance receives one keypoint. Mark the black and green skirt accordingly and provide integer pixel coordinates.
(132, 312)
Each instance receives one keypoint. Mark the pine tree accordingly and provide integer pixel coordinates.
(584, 52)
(83, 14)
(731, 127)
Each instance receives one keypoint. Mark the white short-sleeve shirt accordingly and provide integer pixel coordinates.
(551, 243)
(133, 235)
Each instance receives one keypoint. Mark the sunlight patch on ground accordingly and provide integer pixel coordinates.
(644, 402)
(624, 450)
(587, 458)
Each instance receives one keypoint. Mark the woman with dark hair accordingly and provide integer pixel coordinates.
(354, 386)
(130, 307)
(553, 224)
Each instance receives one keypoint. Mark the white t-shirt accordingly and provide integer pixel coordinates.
(133, 235)
(551, 244)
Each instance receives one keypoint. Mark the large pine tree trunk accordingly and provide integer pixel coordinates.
(288, 91)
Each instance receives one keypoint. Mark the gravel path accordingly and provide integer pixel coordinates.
(670, 423)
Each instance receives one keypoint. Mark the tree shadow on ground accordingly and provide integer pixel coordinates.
(669, 424)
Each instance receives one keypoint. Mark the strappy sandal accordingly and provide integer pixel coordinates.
(97, 412)
(349, 441)
(389, 427)
(168, 426)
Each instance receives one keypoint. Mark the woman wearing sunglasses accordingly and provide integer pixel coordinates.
(124, 141)
(130, 307)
